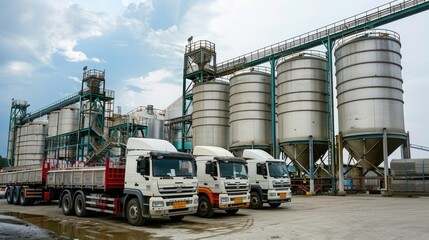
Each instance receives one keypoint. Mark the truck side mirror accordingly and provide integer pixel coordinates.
(261, 169)
(211, 169)
(143, 165)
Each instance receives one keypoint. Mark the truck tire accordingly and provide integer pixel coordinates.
(22, 199)
(274, 205)
(177, 218)
(80, 206)
(255, 200)
(15, 196)
(205, 208)
(232, 211)
(134, 213)
(67, 204)
(9, 195)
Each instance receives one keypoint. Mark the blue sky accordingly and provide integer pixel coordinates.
(45, 44)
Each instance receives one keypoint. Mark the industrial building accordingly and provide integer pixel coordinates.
(279, 98)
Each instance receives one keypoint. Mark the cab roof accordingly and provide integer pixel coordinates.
(211, 151)
(256, 154)
(149, 144)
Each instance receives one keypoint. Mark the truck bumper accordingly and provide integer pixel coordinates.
(279, 196)
(234, 201)
(163, 208)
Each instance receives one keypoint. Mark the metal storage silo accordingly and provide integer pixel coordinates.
(250, 109)
(53, 118)
(31, 144)
(302, 106)
(68, 120)
(369, 94)
(174, 131)
(210, 116)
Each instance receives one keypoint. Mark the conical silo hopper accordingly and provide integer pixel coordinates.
(369, 95)
(302, 106)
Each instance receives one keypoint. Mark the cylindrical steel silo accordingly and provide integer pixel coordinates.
(210, 116)
(53, 119)
(155, 128)
(68, 120)
(369, 94)
(250, 109)
(31, 144)
(302, 106)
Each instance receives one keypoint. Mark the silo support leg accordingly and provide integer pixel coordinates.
(311, 167)
(341, 173)
(386, 191)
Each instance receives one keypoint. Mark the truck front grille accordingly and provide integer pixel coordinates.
(281, 185)
(168, 190)
(232, 188)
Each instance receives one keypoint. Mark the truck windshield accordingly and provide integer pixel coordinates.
(173, 168)
(232, 170)
(277, 169)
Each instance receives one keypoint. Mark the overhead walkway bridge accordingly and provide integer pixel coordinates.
(373, 18)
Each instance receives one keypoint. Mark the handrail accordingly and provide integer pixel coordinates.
(66, 101)
(360, 19)
(423, 148)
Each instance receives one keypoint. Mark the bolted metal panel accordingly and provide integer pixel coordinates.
(369, 93)
(210, 116)
(302, 105)
(250, 108)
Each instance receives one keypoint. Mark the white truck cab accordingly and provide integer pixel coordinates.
(223, 182)
(162, 179)
(269, 179)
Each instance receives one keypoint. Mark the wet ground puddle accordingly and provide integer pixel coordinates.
(80, 229)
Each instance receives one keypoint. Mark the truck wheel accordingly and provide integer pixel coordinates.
(274, 205)
(15, 197)
(134, 213)
(205, 209)
(232, 211)
(79, 206)
(177, 218)
(255, 200)
(22, 200)
(67, 204)
(9, 195)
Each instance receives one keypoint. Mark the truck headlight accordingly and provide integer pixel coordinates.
(157, 204)
(224, 199)
(273, 194)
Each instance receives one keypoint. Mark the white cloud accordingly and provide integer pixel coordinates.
(76, 79)
(136, 17)
(18, 68)
(156, 88)
(43, 28)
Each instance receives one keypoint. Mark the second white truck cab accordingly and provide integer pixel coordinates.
(223, 182)
(269, 179)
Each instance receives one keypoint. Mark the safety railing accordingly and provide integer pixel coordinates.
(351, 22)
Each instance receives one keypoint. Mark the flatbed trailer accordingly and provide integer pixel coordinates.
(49, 181)
(154, 181)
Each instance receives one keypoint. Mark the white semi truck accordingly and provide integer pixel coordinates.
(154, 181)
(269, 179)
(223, 182)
